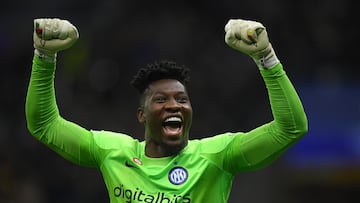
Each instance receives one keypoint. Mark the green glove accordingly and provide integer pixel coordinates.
(251, 38)
(53, 35)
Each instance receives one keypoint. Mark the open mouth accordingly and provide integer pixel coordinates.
(173, 126)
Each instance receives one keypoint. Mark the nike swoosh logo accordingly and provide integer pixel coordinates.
(128, 165)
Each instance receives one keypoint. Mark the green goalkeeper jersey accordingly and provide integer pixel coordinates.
(202, 172)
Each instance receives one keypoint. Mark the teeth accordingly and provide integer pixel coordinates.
(172, 119)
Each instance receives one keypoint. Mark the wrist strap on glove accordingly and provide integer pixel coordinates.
(266, 58)
(45, 56)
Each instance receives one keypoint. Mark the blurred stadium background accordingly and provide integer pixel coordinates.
(315, 40)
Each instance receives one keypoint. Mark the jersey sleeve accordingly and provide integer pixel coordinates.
(45, 123)
(259, 147)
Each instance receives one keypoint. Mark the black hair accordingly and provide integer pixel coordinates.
(164, 69)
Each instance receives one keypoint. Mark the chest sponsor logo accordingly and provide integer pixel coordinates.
(139, 195)
(178, 175)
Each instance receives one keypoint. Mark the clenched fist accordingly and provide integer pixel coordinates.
(53, 35)
(251, 38)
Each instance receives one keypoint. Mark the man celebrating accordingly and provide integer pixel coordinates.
(167, 166)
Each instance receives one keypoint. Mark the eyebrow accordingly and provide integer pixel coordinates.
(175, 92)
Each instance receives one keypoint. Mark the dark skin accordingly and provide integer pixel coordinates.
(166, 113)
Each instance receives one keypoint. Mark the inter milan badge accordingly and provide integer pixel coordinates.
(178, 175)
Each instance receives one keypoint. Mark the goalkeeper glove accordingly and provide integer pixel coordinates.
(251, 38)
(53, 35)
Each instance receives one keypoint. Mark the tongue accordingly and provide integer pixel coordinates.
(172, 131)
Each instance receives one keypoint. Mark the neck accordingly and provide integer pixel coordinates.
(157, 151)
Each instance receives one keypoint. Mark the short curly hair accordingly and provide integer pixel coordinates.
(164, 69)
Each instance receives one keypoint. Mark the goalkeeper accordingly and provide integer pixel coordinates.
(167, 166)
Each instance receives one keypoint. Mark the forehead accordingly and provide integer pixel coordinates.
(166, 85)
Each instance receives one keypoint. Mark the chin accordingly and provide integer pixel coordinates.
(174, 147)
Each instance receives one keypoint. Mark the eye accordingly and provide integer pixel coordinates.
(160, 99)
(182, 99)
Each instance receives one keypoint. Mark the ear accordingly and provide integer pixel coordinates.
(141, 115)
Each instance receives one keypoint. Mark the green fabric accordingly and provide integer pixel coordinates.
(203, 171)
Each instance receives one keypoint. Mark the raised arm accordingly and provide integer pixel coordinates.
(264, 144)
(42, 115)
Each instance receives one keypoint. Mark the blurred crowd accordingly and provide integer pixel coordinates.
(314, 40)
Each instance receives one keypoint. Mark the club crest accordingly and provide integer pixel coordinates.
(178, 175)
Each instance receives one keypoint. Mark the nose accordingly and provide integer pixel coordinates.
(172, 105)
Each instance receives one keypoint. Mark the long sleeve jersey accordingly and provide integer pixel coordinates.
(202, 172)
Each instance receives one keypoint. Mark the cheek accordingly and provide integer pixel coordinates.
(188, 110)
(151, 116)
